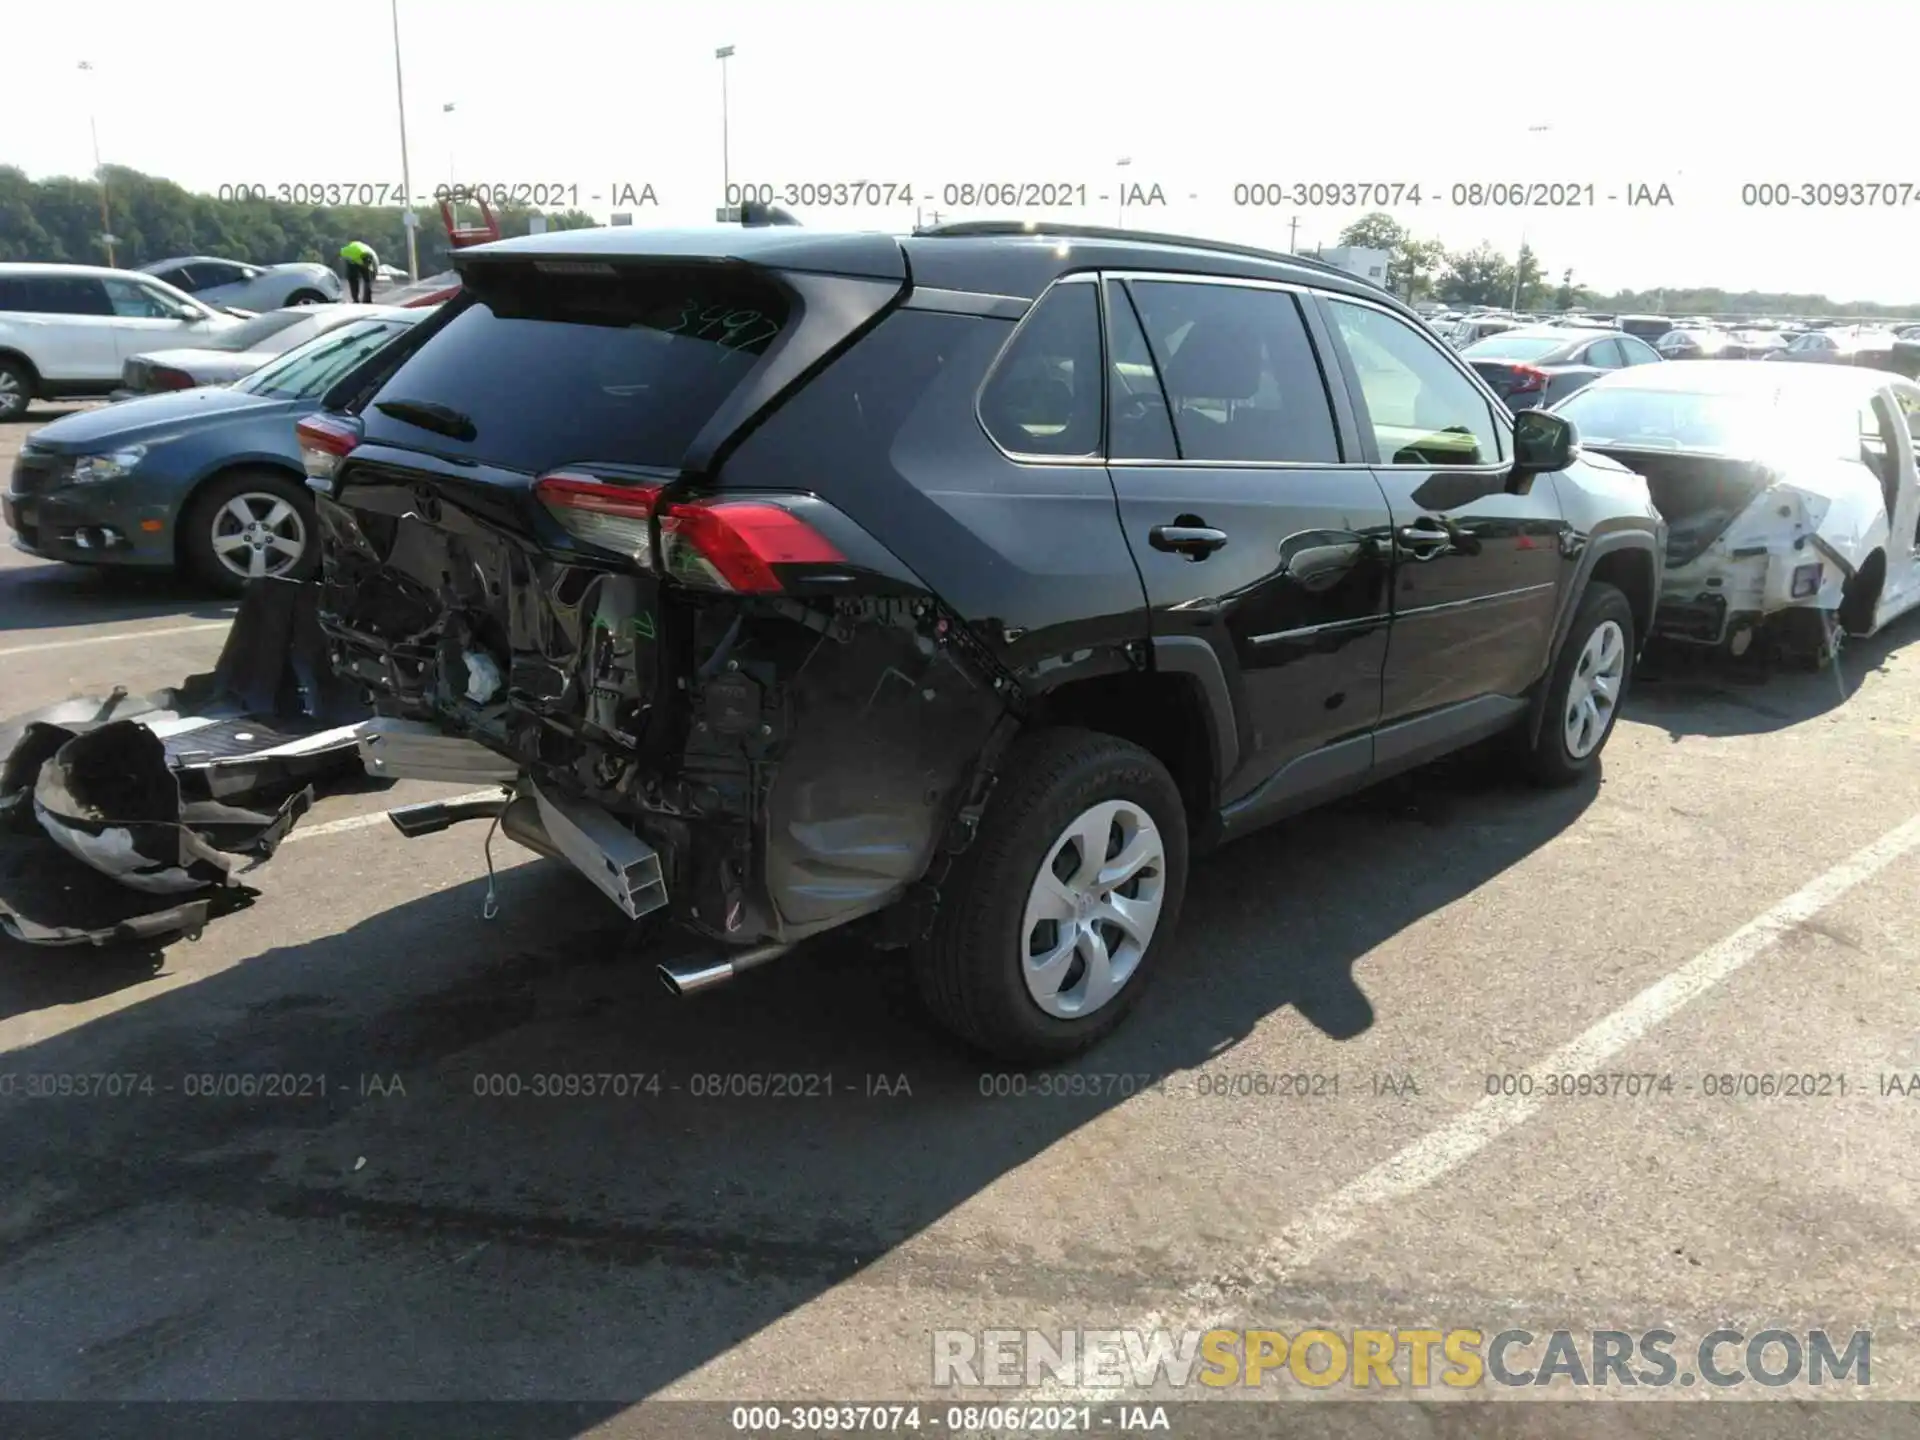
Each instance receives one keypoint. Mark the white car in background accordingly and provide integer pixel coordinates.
(237, 286)
(68, 330)
(1789, 492)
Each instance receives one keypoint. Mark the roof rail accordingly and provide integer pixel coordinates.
(1068, 230)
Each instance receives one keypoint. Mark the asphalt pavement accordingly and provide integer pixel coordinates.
(1333, 1110)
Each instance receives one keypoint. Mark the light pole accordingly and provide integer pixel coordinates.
(407, 216)
(1521, 254)
(724, 54)
(99, 171)
(453, 173)
(1120, 210)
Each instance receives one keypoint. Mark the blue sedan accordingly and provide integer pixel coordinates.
(210, 479)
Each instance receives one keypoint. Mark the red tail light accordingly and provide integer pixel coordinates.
(614, 517)
(734, 544)
(729, 545)
(324, 441)
(1526, 379)
(165, 377)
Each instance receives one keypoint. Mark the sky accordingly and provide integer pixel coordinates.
(1200, 97)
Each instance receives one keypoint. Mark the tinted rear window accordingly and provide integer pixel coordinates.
(568, 368)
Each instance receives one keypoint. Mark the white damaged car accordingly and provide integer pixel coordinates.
(1789, 493)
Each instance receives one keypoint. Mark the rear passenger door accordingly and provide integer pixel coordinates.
(1258, 537)
(1477, 558)
(73, 333)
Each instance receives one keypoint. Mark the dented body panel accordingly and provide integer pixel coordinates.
(1748, 540)
(794, 762)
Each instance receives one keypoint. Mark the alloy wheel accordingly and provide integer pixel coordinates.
(1092, 909)
(257, 534)
(1593, 692)
(13, 395)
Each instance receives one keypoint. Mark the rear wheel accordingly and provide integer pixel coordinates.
(248, 526)
(1050, 923)
(1585, 690)
(16, 389)
(306, 297)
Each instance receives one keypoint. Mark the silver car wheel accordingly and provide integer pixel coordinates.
(1092, 909)
(13, 395)
(1593, 692)
(257, 534)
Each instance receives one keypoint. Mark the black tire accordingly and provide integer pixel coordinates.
(17, 386)
(198, 522)
(306, 297)
(969, 969)
(1548, 759)
(1807, 640)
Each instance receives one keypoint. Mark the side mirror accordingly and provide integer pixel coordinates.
(1543, 442)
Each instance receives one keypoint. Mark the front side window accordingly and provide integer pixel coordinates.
(181, 277)
(137, 302)
(1605, 355)
(1240, 373)
(1638, 352)
(1044, 396)
(1421, 409)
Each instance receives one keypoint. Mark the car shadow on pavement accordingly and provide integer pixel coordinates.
(565, 1247)
(1689, 692)
(53, 596)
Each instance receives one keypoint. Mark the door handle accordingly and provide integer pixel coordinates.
(1422, 542)
(1196, 542)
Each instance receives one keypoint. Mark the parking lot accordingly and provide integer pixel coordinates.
(391, 1233)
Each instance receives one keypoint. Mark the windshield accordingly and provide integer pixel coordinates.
(1759, 424)
(583, 366)
(309, 370)
(1514, 347)
(250, 335)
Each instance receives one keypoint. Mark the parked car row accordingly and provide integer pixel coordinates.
(598, 515)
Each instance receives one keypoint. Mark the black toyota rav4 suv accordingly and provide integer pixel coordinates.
(963, 584)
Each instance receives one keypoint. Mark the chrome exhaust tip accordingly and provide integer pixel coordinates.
(690, 977)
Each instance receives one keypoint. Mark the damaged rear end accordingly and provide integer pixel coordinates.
(733, 706)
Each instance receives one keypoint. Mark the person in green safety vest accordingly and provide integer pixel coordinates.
(361, 265)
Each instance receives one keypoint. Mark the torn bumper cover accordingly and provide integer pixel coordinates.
(130, 818)
(1741, 554)
(97, 843)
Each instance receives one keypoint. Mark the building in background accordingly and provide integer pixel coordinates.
(1368, 264)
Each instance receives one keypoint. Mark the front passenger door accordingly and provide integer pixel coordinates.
(1256, 534)
(149, 319)
(1477, 563)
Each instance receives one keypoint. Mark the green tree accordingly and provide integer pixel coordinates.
(1532, 289)
(1480, 276)
(1375, 231)
(1415, 269)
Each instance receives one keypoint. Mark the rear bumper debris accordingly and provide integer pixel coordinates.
(133, 818)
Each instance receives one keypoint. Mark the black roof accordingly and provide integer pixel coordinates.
(1002, 257)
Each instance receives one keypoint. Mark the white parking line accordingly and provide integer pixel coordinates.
(46, 645)
(1352, 1207)
(363, 822)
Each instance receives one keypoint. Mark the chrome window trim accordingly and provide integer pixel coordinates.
(1496, 407)
(1022, 457)
(967, 302)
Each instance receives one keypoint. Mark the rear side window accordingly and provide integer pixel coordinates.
(14, 296)
(1043, 397)
(1239, 371)
(62, 295)
(624, 366)
(1139, 427)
